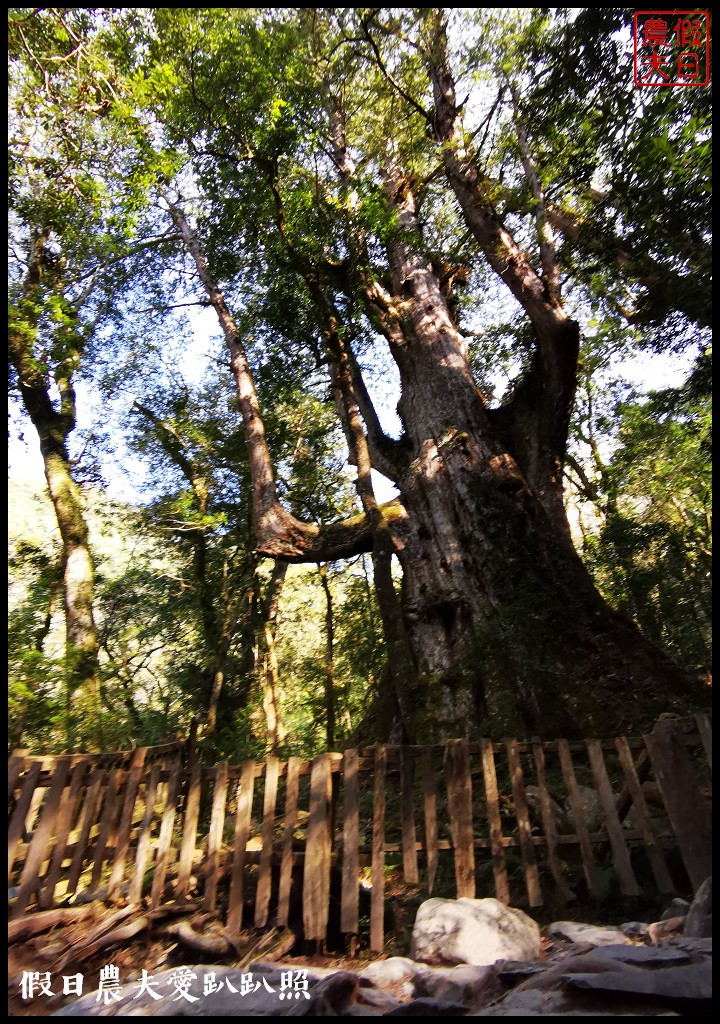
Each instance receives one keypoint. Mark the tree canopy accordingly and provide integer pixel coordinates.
(427, 239)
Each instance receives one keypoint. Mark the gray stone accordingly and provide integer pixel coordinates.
(516, 1004)
(698, 923)
(518, 970)
(678, 908)
(591, 807)
(596, 935)
(692, 945)
(690, 985)
(428, 1008)
(462, 984)
(533, 798)
(644, 956)
(378, 997)
(634, 929)
(329, 997)
(477, 932)
(387, 972)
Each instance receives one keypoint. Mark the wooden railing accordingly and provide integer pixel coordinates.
(507, 818)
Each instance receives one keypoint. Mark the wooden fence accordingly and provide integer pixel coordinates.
(506, 818)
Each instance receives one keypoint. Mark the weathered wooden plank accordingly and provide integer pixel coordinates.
(88, 815)
(286, 864)
(409, 839)
(16, 766)
(72, 796)
(563, 890)
(316, 880)
(522, 816)
(641, 770)
(377, 897)
(459, 789)
(17, 821)
(704, 726)
(689, 815)
(502, 888)
(620, 853)
(134, 779)
(262, 897)
(187, 849)
(143, 845)
(109, 813)
(243, 816)
(581, 829)
(655, 854)
(42, 836)
(430, 809)
(349, 902)
(36, 802)
(165, 838)
(217, 820)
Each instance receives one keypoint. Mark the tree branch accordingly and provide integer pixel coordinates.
(278, 533)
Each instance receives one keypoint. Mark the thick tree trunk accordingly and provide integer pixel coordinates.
(508, 631)
(505, 626)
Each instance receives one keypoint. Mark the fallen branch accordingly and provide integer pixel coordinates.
(269, 946)
(215, 947)
(35, 924)
(97, 939)
(115, 938)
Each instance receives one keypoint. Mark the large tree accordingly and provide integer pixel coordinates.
(335, 191)
(336, 173)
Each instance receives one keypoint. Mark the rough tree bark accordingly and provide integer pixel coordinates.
(506, 629)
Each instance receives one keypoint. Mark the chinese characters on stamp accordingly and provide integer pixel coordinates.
(671, 48)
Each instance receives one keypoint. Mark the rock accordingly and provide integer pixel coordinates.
(428, 1008)
(689, 988)
(660, 930)
(533, 797)
(692, 945)
(517, 1004)
(387, 972)
(591, 807)
(596, 935)
(678, 908)
(329, 998)
(634, 929)
(644, 956)
(462, 984)
(477, 932)
(518, 970)
(378, 998)
(698, 923)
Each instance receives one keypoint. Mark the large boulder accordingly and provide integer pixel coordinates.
(477, 932)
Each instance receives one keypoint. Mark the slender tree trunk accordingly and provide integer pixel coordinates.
(329, 661)
(54, 426)
(275, 729)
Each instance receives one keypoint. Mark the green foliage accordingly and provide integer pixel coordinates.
(652, 556)
(227, 109)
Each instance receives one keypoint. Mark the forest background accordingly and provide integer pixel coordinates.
(200, 191)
